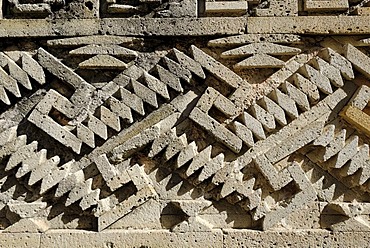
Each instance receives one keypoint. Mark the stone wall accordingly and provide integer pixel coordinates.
(183, 123)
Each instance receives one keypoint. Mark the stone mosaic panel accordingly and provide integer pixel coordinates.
(184, 121)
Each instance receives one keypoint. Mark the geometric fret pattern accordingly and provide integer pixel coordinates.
(187, 119)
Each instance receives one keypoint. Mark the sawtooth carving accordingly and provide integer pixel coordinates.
(185, 119)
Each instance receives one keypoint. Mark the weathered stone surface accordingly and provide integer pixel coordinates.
(173, 123)
(309, 25)
(20, 240)
(134, 239)
(285, 238)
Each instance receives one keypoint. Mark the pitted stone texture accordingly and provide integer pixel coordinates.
(174, 128)
(134, 239)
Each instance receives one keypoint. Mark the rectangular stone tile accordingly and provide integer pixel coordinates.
(131, 238)
(298, 238)
(124, 26)
(310, 25)
(174, 26)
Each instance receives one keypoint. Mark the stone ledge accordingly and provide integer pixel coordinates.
(127, 238)
(318, 25)
(126, 26)
(310, 25)
(295, 238)
(162, 238)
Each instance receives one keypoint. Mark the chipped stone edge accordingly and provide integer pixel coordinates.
(165, 238)
(319, 25)
(123, 26)
(329, 25)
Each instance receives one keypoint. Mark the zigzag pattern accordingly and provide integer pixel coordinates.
(187, 153)
(303, 90)
(343, 153)
(119, 98)
(259, 134)
(12, 75)
(34, 162)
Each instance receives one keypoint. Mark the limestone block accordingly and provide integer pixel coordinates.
(361, 98)
(340, 97)
(175, 146)
(21, 154)
(330, 72)
(199, 161)
(184, 8)
(219, 131)
(358, 161)
(307, 87)
(207, 99)
(326, 136)
(266, 119)
(287, 237)
(146, 94)
(309, 25)
(187, 154)
(194, 222)
(322, 82)
(244, 133)
(357, 118)
(106, 49)
(97, 126)
(91, 40)
(15, 71)
(348, 151)
(69, 182)
(216, 68)
(260, 48)
(156, 85)
(10, 84)
(285, 102)
(226, 7)
(109, 118)
(189, 63)
(274, 109)
(279, 8)
(53, 65)
(169, 78)
(358, 59)
(106, 169)
(102, 61)
(275, 178)
(254, 125)
(259, 61)
(312, 5)
(339, 62)
(120, 210)
(333, 148)
(300, 200)
(216, 164)
(55, 176)
(253, 38)
(298, 96)
(26, 210)
(132, 101)
(145, 216)
(178, 69)
(120, 109)
(134, 238)
(295, 142)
